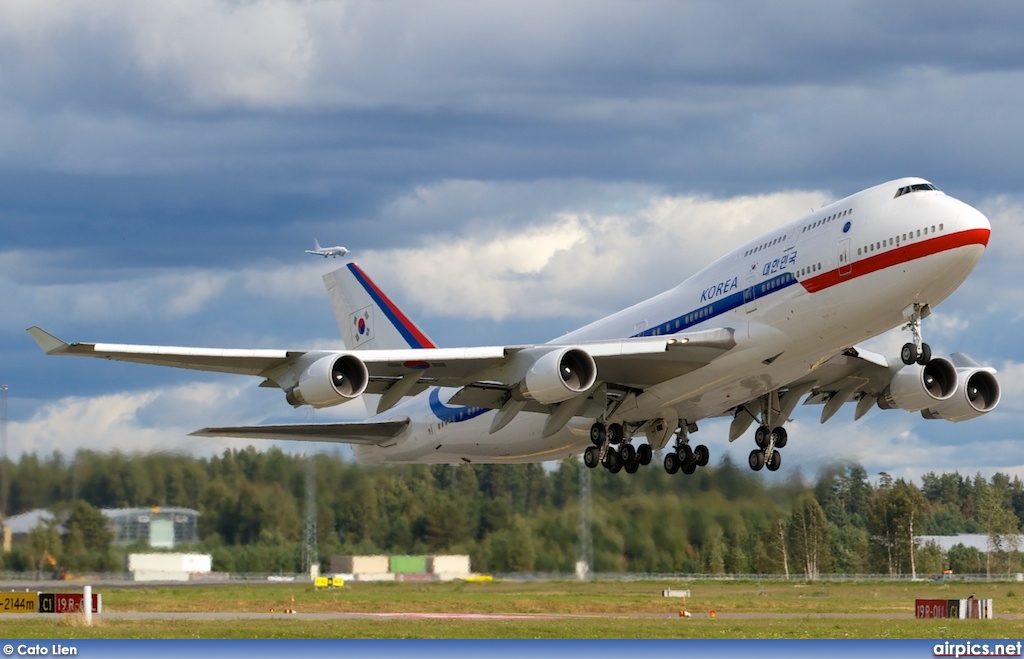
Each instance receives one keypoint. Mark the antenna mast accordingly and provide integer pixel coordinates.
(3, 452)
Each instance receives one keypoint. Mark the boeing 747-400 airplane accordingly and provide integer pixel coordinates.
(775, 321)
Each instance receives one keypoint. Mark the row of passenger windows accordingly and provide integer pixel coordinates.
(765, 245)
(805, 229)
(826, 220)
(809, 270)
(898, 240)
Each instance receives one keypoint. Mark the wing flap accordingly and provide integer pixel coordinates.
(354, 432)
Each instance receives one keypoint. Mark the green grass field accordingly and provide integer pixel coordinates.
(589, 610)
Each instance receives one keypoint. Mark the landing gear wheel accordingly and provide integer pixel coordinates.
(613, 462)
(909, 353)
(689, 467)
(781, 437)
(774, 462)
(926, 355)
(615, 433)
(644, 454)
(627, 453)
(684, 453)
(671, 463)
(631, 467)
(756, 459)
(591, 457)
(701, 455)
(762, 436)
(597, 434)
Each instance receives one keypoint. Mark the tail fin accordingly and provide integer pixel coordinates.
(316, 245)
(367, 318)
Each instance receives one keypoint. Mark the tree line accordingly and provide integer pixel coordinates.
(521, 518)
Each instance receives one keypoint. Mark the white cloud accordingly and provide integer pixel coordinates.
(160, 419)
(579, 262)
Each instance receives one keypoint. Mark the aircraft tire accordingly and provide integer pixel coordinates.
(627, 453)
(688, 467)
(909, 354)
(671, 463)
(781, 437)
(615, 433)
(644, 454)
(756, 460)
(701, 455)
(632, 467)
(597, 434)
(762, 436)
(775, 462)
(591, 456)
(684, 453)
(926, 355)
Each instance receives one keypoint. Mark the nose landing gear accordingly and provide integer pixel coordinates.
(916, 352)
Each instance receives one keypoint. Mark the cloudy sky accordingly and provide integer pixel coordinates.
(506, 170)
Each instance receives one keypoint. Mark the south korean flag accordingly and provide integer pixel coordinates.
(361, 324)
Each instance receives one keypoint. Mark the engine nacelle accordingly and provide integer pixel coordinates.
(915, 387)
(330, 381)
(977, 394)
(559, 375)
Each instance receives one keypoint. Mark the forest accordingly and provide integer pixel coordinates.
(724, 519)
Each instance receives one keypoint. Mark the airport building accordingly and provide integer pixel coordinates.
(157, 527)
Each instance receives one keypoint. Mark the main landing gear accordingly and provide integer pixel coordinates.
(768, 439)
(612, 449)
(916, 352)
(682, 457)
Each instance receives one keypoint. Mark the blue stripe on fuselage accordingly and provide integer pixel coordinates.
(452, 414)
(724, 305)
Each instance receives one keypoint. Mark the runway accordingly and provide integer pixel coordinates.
(280, 615)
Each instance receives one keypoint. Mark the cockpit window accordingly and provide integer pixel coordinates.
(917, 187)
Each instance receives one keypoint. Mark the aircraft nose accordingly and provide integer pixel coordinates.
(971, 219)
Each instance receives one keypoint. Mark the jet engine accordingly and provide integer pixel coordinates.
(977, 394)
(913, 388)
(558, 375)
(330, 381)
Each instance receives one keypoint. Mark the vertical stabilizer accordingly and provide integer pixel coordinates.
(367, 318)
(316, 245)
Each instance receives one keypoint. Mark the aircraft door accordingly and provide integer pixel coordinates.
(843, 256)
(749, 300)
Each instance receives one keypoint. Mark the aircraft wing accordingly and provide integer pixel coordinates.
(634, 363)
(355, 432)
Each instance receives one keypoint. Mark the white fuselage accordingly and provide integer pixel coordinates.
(795, 296)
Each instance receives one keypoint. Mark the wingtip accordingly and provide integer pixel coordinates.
(48, 342)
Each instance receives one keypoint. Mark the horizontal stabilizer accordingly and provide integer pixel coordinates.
(354, 432)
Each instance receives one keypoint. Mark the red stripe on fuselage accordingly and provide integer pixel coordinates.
(897, 255)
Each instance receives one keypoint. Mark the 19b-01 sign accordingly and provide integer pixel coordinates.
(67, 603)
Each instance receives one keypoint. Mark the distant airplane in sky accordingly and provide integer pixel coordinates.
(774, 321)
(326, 251)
